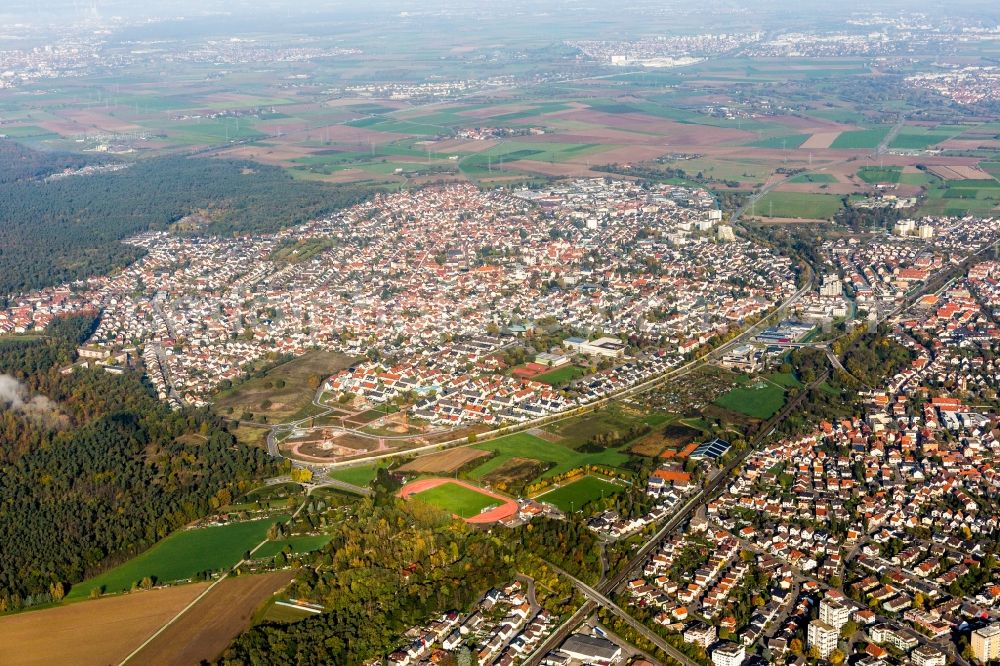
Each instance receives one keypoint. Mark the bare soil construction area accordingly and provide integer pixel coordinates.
(98, 632)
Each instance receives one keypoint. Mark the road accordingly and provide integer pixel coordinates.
(654, 638)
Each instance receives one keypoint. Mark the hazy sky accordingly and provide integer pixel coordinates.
(292, 15)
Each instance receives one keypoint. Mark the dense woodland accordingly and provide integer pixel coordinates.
(19, 162)
(391, 567)
(101, 471)
(63, 230)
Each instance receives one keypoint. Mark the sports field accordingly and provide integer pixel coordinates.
(562, 375)
(475, 505)
(182, 555)
(573, 496)
(459, 500)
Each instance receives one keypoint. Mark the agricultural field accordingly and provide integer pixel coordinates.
(574, 495)
(202, 633)
(920, 138)
(91, 633)
(860, 139)
(283, 391)
(962, 197)
(820, 178)
(456, 499)
(443, 462)
(871, 174)
(181, 556)
(799, 205)
(781, 142)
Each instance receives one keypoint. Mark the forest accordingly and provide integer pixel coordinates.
(22, 163)
(63, 230)
(392, 566)
(99, 469)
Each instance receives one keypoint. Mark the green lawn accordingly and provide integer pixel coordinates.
(798, 204)
(786, 379)
(523, 445)
(457, 499)
(573, 496)
(299, 544)
(182, 555)
(361, 475)
(759, 398)
(562, 375)
(657, 419)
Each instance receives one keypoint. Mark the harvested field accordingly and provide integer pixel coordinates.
(496, 110)
(958, 172)
(204, 631)
(98, 632)
(969, 144)
(625, 154)
(678, 133)
(551, 169)
(99, 120)
(443, 462)
(824, 188)
(820, 140)
(515, 472)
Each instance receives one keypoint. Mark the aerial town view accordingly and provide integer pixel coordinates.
(548, 333)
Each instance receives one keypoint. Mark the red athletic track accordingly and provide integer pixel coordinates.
(507, 509)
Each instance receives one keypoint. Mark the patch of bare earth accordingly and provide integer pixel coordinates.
(97, 632)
